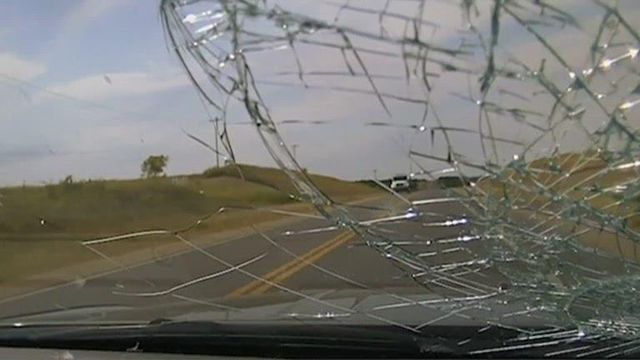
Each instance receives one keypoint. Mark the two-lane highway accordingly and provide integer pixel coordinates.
(275, 262)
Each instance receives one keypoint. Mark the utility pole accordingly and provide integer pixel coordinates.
(294, 147)
(215, 135)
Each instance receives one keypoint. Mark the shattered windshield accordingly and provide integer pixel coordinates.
(417, 164)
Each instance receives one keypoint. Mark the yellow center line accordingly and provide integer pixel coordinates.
(287, 270)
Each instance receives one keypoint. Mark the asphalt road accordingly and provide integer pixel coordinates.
(326, 260)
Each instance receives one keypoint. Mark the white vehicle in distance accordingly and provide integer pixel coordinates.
(400, 183)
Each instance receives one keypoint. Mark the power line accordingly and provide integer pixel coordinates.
(13, 81)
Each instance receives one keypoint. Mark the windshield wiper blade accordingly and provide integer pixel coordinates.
(267, 339)
(209, 338)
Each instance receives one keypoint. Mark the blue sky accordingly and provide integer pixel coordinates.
(89, 88)
(111, 54)
(79, 38)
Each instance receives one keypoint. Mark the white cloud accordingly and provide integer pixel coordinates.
(79, 17)
(117, 85)
(86, 11)
(14, 66)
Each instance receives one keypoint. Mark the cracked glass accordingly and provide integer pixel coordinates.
(421, 165)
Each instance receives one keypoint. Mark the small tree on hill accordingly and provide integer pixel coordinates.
(154, 166)
(68, 180)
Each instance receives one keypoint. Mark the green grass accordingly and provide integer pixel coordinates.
(120, 206)
(78, 211)
(115, 206)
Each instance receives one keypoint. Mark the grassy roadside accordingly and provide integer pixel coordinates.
(584, 180)
(41, 227)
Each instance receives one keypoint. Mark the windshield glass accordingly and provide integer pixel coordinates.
(233, 161)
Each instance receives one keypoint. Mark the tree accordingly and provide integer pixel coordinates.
(68, 180)
(154, 166)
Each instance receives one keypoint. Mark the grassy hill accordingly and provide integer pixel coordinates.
(572, 176)
(115, 206)
(577, 178)
(41, 226)
(278, 180)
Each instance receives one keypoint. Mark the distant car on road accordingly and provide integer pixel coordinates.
(400, 183)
